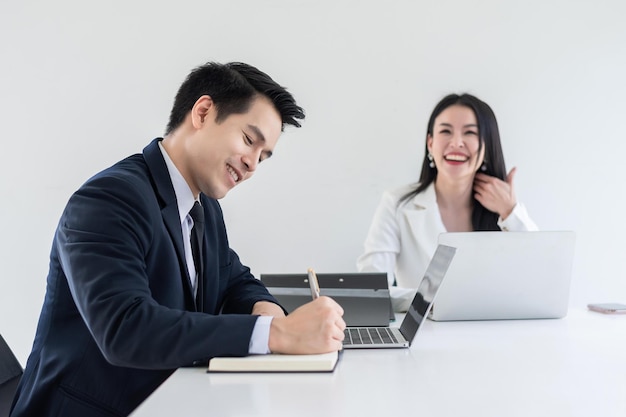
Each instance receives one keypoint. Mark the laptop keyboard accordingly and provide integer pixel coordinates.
(368, 336)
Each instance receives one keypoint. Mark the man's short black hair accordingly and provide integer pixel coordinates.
(232, 87)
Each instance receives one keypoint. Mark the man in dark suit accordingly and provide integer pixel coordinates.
(126, 302)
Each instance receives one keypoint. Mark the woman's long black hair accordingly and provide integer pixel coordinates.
(482, 219)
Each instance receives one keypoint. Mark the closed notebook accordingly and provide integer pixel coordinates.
(324, 362)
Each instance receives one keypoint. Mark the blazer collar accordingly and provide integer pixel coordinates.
(158, 169)
(423, 216)
(427, 199)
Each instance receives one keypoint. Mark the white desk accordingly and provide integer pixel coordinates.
(570, 367)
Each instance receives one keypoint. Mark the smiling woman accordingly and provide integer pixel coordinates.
(463, 187)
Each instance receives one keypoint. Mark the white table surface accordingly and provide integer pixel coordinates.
(574, 366)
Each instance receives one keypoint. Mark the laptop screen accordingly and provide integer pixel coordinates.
(433, 277)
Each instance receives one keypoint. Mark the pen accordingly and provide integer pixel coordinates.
(313, 284)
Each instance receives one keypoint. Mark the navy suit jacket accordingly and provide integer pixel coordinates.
(119, 315)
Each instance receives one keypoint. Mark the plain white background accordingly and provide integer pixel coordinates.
(84, 84)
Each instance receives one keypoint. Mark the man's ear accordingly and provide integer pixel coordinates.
(201, 110)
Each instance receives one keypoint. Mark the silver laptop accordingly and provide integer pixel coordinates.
(393, 337)
(364, 296)
(506, 275)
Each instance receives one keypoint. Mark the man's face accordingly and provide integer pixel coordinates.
(222, 155)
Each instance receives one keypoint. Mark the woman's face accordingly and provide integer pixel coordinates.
(454, 143)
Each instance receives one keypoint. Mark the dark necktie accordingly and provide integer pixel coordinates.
(197, 234)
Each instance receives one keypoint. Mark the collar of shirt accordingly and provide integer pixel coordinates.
(184, 196)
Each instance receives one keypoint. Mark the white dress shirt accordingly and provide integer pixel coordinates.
(402, 239)
(259, 341)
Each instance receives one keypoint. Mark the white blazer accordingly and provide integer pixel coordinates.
(402, 239)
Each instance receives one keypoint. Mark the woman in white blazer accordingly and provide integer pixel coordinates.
(463, 187)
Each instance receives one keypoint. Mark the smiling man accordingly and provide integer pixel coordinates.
(129, 298)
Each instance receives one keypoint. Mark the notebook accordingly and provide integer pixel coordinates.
(506, 275)
(323, 362)
(364, 296)
(393, 337)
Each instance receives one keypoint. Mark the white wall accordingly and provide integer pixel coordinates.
(84, 84)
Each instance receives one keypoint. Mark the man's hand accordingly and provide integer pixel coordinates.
(494, 194)
(316, 327)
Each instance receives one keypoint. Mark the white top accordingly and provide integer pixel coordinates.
(402, 239)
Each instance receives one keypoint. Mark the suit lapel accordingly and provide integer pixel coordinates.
(423, 215)
(169, 210)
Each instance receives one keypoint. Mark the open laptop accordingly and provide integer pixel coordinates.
(393, 337)
(506, 275)
(364, 296)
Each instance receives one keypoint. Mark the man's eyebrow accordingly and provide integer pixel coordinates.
(257, 132)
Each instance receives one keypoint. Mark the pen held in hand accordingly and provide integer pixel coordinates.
(313, 284)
